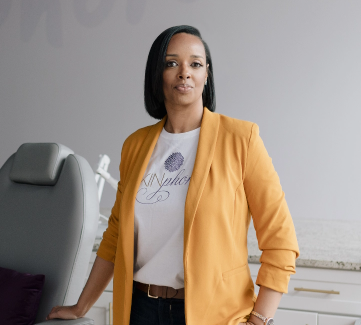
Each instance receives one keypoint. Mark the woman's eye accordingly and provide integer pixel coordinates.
(170, 64)
(197, 64)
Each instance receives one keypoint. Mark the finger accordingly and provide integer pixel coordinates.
(53, 314)
(52, 311)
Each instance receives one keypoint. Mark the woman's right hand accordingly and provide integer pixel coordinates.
(64, 312)
(100, 276)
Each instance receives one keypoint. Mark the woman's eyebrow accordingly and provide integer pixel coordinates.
(192, 56)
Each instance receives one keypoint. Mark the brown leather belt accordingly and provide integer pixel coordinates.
(155, 291)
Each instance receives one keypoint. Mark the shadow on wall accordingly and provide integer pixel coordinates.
(31, 12)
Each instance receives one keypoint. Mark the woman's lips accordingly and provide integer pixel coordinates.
(183, 88)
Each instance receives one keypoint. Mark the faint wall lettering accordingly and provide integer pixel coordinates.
(95, 17)
(31, 13)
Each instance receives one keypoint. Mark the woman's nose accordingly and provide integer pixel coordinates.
(184, 73)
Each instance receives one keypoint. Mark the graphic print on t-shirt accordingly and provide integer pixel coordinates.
(174, 161)
(161, 190)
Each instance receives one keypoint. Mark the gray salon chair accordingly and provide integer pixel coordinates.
(49, 213)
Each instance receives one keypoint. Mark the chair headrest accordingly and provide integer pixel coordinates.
(39, 163)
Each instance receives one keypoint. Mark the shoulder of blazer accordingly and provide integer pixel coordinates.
(131, 147)
(136, 138)
(239, 128)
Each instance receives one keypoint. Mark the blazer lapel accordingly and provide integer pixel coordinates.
(143, 158)
(205, 151)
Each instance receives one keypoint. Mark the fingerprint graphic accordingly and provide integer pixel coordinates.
(174, 161)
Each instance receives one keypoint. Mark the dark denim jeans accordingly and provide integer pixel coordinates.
(156, 311)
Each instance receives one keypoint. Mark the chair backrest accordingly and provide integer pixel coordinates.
(49, 212)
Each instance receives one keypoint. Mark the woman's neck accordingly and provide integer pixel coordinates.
(180, 121)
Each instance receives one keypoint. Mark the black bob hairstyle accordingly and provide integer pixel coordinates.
(153, 81)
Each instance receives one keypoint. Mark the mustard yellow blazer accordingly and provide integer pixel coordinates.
(233, 179)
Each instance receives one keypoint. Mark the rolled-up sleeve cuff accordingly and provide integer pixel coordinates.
(106, 251)
(273, 277)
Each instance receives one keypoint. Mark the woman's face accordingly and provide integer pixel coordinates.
(185, 71)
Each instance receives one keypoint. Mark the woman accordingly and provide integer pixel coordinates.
(176, 240)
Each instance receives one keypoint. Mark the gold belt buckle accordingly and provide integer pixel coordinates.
(149, 295)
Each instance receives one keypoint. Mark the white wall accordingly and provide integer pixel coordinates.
(71, 71)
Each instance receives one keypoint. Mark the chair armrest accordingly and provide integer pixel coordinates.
(57, 321)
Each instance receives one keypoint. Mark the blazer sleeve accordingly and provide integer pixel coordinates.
(108, 245)
(272, 220)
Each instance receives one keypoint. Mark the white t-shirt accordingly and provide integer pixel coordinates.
(159, 210)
